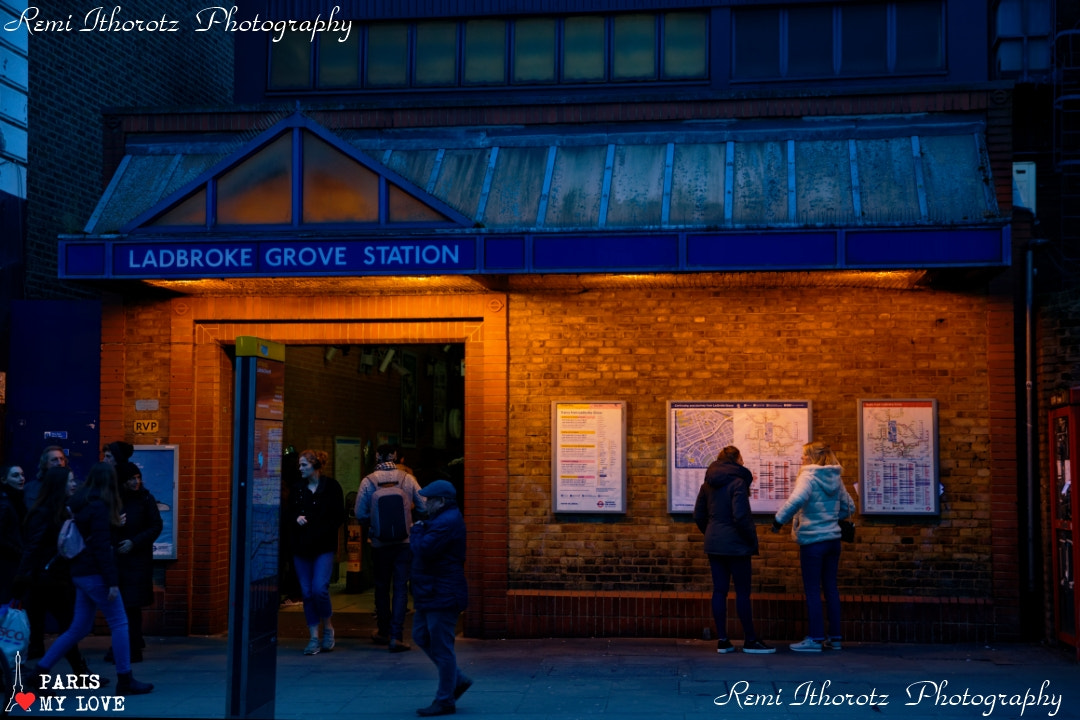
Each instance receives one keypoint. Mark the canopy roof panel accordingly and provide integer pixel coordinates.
(837, 172)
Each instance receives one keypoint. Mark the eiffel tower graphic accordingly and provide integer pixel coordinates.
(17, 684)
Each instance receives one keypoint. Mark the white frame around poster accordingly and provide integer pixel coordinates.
(160, 468)
(683, 487)
(589, 475)
(913, 480)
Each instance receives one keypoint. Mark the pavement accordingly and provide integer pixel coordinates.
(559, 679)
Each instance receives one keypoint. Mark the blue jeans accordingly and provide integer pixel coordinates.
(820, 563)
(724, 569)
(392, 566)
(91, 595)
(314, 576)
(433, 631)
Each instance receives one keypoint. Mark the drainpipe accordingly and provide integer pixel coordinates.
(1029, 389)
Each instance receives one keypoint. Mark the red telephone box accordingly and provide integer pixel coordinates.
(1065, 512)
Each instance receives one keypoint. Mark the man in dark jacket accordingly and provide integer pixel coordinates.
(439, 591)
(722, 512)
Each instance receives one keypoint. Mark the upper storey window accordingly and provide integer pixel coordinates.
(822, 41)
(633, 48)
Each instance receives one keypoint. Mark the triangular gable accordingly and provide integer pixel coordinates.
(297, 175)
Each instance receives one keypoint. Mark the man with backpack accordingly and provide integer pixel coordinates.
(384, 506)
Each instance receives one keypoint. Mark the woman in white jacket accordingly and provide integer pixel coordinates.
(817, 502)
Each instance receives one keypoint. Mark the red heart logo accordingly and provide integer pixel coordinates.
(25, 699)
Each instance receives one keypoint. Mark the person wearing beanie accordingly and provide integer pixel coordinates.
(440, 591)
(117, 453)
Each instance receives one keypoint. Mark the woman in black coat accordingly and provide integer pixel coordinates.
(44, 581)
(316, 512)
(134, 541)
(722, 512)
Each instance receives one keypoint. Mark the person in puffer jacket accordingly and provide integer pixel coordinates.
(818, 501)
(722, 513)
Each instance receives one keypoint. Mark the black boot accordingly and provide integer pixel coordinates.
(79, 666)
(128, 685)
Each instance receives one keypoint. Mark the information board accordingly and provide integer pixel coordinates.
(770, 434)
(160, 468)
(588, 462)
(898, 457)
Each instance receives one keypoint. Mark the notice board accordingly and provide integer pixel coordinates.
(898, 457)
(770, 435)
(588, 460)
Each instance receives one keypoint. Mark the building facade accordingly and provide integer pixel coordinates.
(623, 203)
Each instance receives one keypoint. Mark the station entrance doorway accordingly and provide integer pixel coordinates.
(346, 400)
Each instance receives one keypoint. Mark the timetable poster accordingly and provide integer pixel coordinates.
(898, 457)
(589, 458)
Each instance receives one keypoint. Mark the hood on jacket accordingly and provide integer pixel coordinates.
(826, 478)
(721, 474)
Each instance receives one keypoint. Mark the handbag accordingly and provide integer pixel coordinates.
(847, 530)
(69, 542)
(14, 632)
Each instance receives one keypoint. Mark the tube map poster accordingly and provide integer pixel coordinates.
(898, 463)
(769, 434)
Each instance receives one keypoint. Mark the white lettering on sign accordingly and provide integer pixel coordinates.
(184, 258)
(146, 426)
(411, 255)
(305, 257)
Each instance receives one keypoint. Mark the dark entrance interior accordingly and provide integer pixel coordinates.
(345, 400)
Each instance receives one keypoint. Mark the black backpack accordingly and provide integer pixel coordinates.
(391, 511)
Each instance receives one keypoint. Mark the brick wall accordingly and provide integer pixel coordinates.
(533, 572)
(831, 346)
(98, 70)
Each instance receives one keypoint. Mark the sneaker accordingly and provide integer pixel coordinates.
(328, 641)
(313, 647)
(396, 646)
(724, 646)
(439, 707)
(833, 643)
(808, 644)
(379, 638)
(756, 647)
(463, 685)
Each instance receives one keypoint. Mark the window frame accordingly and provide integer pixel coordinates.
(365, 85)
(838, 73)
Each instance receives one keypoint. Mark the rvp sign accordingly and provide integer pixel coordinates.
(143, 427)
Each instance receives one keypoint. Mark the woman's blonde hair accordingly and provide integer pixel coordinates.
(819, 453)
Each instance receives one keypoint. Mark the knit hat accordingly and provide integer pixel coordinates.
(439, 488)
(121, 451)
(127, 470)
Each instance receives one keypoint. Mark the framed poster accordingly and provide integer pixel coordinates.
(898, 457)
(770, 435)
(348, 465)
(160, 467)
(588, 460)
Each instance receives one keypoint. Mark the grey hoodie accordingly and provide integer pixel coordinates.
(817, 502)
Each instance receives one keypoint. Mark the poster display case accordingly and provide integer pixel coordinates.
(770, 435)
(588, 459)
(898, 457)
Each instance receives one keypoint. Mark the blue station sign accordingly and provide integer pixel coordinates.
(291, 258)
(122, 257)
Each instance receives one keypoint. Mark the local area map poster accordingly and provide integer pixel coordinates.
(898, 457)
(588, 463)
(770, 435)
